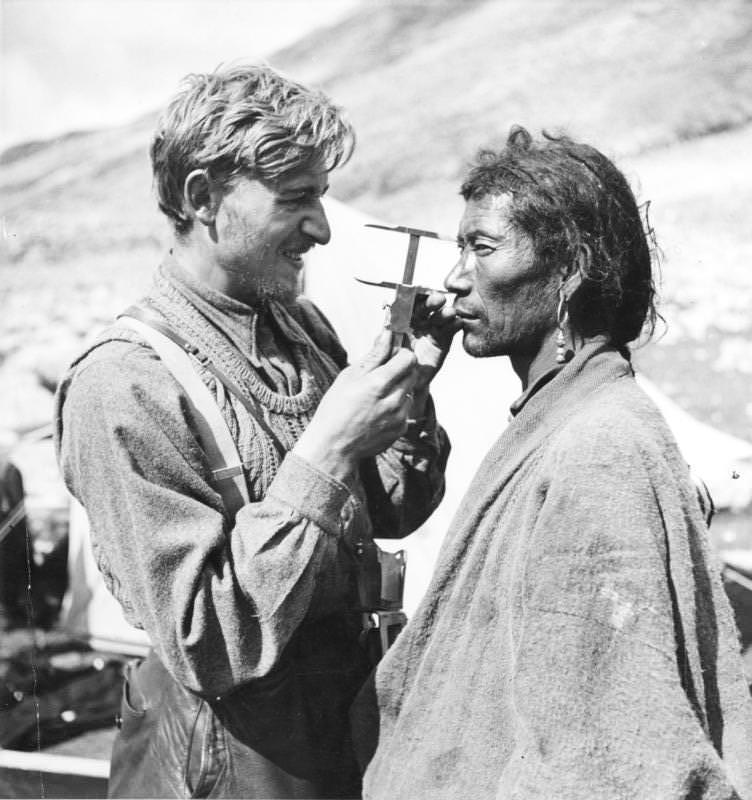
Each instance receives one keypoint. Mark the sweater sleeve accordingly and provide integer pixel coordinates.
(607, 701)
(405, 483)
(219, 602)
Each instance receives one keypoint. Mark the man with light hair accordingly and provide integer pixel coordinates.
(254, 612)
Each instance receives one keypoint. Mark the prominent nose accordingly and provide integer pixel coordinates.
(316, 225)
(458, 280)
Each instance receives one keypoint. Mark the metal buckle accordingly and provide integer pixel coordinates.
(381, 628)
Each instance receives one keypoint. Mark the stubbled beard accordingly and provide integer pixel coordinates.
(269, 289)
(260, 288)
(489, 344)
(479, 347)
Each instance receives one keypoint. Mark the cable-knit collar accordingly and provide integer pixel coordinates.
(227, 331)
(233, 317)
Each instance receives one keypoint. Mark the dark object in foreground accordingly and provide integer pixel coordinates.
(738, 585)
(54, 691)
(49, 783)
(13, 545)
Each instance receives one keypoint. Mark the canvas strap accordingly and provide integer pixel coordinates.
(215, 437)
(16, 514)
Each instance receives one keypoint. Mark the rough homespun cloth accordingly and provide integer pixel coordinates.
(575, 641)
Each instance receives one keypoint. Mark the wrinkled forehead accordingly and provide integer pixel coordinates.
(313, 176)
(489, 213)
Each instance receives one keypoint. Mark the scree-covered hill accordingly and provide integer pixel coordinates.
(663, 87)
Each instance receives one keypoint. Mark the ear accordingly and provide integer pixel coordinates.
(573, 274)
(201, 197)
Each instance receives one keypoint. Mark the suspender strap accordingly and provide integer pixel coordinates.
(246, 400)
(215, 436)
(15, 515)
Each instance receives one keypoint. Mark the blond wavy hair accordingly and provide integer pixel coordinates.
(243, 118)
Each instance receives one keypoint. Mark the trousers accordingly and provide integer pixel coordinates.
(174, 743)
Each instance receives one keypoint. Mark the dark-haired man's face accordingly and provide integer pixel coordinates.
(507, 306)
(264, 229)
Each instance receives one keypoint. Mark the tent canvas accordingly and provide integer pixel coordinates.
(89, 610)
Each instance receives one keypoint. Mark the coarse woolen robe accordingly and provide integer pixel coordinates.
(575, 640)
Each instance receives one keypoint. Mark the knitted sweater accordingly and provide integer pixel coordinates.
(575, 641)
(226, 601)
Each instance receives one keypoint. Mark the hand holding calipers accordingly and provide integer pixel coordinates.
(402, 307)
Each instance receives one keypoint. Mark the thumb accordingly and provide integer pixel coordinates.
(379, 352)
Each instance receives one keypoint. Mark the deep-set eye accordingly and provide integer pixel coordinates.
(295, 200)
(480, 249)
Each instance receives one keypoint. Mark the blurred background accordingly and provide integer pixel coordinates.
(663, 87)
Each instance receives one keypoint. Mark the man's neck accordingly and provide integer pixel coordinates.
(530, 367)
(195, 259)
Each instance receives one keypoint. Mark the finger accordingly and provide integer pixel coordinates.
(445, 320)
(435, 300)
(434, 309)
(406, 384)
(443, 314)
(397, 406)
(420, 313)
(441, 323)
(379, 352)
(399, 374)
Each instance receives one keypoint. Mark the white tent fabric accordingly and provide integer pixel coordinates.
(89, 610)
(472, 399)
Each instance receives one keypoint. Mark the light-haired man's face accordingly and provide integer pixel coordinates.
(263, 229)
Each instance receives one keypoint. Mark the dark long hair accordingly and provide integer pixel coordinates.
(580, 213)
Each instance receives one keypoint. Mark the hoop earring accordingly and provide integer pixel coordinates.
(562, 319)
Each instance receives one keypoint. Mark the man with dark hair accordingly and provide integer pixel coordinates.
(254, 613)
(575, 641)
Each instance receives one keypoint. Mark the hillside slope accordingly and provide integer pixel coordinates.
(665, 87)
(426, 84)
